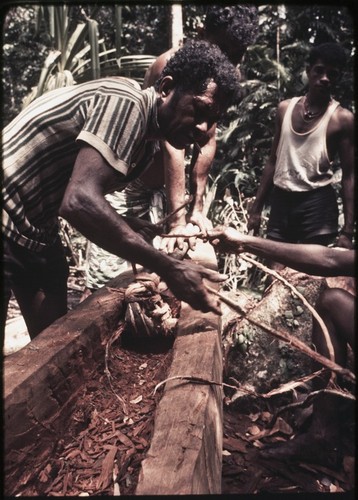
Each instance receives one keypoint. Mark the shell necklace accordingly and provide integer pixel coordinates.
(309, 115)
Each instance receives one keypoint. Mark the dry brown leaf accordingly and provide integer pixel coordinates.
(43, 477)
(107, 469)
(125, 439)
(266, 416)
(233, 444)
(254, 430)
(280, 426)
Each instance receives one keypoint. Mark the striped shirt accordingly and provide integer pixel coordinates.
(41, 144)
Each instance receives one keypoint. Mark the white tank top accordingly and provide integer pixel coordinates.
(302, 161)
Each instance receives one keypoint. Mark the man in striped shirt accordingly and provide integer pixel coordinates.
(72, 146)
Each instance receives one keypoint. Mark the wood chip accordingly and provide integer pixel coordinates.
(107, 468)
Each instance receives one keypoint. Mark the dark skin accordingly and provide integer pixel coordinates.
(340, 142)
(40, 307)
(335, 305)
(85, 207)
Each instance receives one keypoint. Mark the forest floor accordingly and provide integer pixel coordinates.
(110, 432)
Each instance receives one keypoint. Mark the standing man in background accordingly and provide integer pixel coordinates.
(311, 131)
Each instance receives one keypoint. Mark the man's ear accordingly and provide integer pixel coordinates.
(308, 69)
(166, 86)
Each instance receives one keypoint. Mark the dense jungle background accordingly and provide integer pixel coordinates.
(48, 46)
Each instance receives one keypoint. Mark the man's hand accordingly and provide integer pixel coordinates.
(185, 241)
(169, 244)
(199, 219)
(185, 280)
(226, 239)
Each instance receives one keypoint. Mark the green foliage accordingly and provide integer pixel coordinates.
(24, 50)
(48, 46)
(273, 69)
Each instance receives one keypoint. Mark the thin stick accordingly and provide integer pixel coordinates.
(198, 235)
(196, 380)
(167, 217)
(298, 344)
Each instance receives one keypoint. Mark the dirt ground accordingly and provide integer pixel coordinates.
(111, 427)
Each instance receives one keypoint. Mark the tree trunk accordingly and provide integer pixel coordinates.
(176, 25)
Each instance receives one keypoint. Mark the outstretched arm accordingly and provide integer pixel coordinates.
(311, 259)
(175, 188)
(85, 207)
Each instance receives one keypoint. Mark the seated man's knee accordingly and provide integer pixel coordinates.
(328, 299)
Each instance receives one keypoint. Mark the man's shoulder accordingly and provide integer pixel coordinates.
(343, 117)
(283, 104)
(344, 113)
(282, 108)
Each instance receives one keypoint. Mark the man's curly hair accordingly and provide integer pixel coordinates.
(197, 63)
(239, 22)
(330, 53)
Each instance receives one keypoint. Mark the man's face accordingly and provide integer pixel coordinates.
(322, 77)
(185, 118)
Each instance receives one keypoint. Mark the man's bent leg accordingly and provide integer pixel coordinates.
(39, 283)
(40, 308)
(336, 308)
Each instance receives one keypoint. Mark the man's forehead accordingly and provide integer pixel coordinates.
(210, 98)
(321, 62)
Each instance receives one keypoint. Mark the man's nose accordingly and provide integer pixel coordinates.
(325, 77)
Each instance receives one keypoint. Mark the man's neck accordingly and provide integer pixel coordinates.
(318, 99)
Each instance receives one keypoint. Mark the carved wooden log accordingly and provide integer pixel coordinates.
(185, 456)
(42, 381)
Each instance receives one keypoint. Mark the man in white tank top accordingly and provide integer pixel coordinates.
(310, 132)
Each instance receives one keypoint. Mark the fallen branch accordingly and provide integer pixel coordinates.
(286, 387)
(298, 344)
(307, 401)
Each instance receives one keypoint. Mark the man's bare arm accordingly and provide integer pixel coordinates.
(85, 207)
(311, 259)
(198, 180)
(346, 156)
(266, 181)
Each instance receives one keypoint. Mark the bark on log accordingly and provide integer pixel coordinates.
(185, 456)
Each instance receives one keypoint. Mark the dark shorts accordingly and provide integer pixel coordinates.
(47, 270)
(300, 216)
